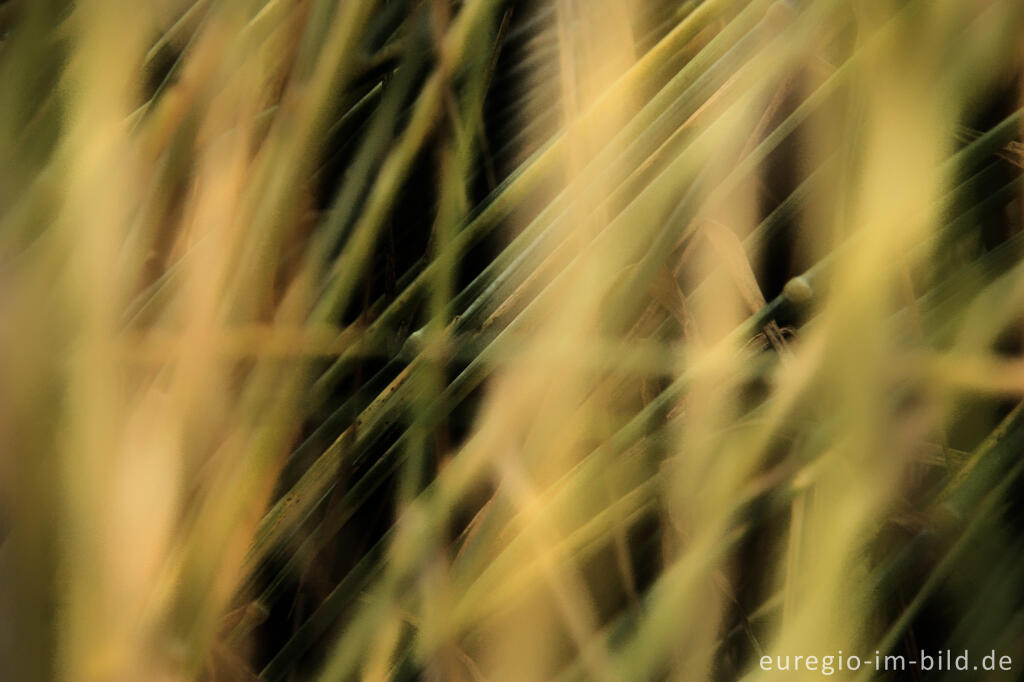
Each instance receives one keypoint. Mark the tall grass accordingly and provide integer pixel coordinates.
(501, 340)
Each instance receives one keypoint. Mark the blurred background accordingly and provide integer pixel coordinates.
(509, 340)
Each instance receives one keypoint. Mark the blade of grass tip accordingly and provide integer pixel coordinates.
(388, 23)
(364, 107)
(375, 143)
(194, 26)
(315, 42)
(376, 66)
(365, 92)
(257, 31)
(187, 23)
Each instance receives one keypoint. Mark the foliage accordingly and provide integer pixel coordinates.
(507, 340)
